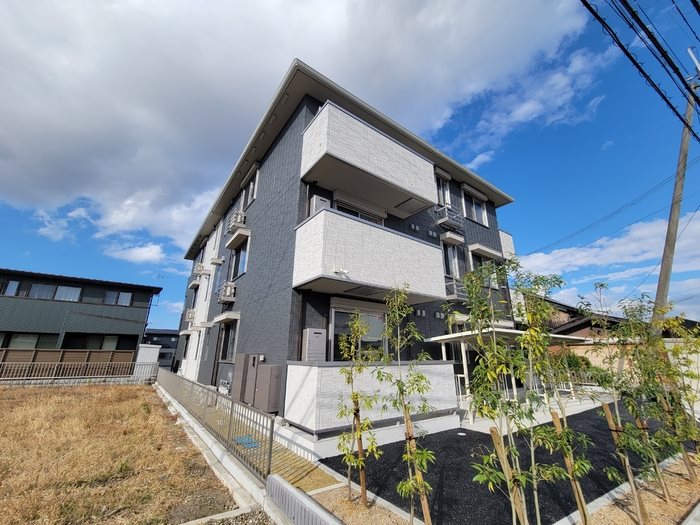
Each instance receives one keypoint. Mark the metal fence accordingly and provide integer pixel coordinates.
(246, 432)
(47, 374)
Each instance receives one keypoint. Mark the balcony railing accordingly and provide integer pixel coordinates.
(227, 292)
(236, 221)
(200, 269)
(189, 315)
(454, 289)
(450, 217)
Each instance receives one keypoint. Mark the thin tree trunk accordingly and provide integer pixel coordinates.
(684, 453)
(360, 453)
(411, 442)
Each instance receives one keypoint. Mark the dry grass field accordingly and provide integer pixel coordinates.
(99, 454)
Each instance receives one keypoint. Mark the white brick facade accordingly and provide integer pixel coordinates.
(337, 133)
(335, 246)
(314, 393)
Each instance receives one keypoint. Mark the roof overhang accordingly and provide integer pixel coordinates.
(508, 334)
(299, 81)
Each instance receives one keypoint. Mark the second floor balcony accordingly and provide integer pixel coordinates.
(339, 254)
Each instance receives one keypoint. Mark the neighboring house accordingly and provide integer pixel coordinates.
(330, 205)
(45, 317)
(167, 340)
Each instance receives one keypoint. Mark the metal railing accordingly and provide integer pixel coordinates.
(450, 217)
(57, 374)
(226, 292)
(246, 432)
(236, 221)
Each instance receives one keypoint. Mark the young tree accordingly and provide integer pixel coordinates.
(360, 359)
(409, 387)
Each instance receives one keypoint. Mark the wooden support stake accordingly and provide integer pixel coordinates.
(515, 494)
(615, 430)
(641, 425)
(575, 485)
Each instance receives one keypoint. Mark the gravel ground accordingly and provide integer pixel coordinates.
(458, 499)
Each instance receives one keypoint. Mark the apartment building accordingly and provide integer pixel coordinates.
(330, 205)
(166, 338)
(46, 317)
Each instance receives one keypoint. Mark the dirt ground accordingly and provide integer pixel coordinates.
(353, 513)
(684, 496)
(99, 454)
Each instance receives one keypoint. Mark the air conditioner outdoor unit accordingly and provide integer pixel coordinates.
(318, 203)
(236, 221)
(227, 293)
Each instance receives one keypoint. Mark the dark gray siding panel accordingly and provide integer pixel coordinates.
(31, 315)
(264, 294)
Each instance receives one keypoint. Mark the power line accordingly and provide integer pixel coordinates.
(606, 27)
(685, 20)
(610, 215)
(661, 36)
(655, 42)
(696, 5)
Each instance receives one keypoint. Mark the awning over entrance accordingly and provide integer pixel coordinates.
(509, 334)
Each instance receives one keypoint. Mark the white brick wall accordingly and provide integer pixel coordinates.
(344, 136)
(330, 242)
(314, 394)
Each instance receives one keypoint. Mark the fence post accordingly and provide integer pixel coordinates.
(206, 404)
(268, 468)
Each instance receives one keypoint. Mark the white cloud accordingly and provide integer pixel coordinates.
(639, 243)
(141, 108)
(481, 159)
(173, 307)
(146, 253)
(607, 145)
(553, 95)
(628, 264)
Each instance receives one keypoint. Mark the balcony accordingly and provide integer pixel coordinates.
(226, 292)
(339, 254)
(189, 315)
(450, 218)
(341, 152)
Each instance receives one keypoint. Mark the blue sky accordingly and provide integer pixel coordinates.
(120, 121)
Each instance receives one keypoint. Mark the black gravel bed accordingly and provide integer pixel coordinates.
(457, 499)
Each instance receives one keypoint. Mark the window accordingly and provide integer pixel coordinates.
(186, 346)
(227, 343)
(250, 191)
(239, 261)
(449, 253)
(356, 212)
(11, 288)
(194, 297)
(42, 291)
(475, 209)
(477, 262)
(443, 189)
(24, 341)
(120, 298)
(374, 336)
(68, 293)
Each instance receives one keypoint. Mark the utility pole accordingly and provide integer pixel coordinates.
(664, 282)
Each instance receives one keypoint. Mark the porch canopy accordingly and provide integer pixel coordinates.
(509, 335)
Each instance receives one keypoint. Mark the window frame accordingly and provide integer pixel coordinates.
(349, 310)
(38, 284)
(77, 300)
(6, 286)
(453, 260)
(239, 258)
(443, 192)
(357, 212)
(471, 211)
